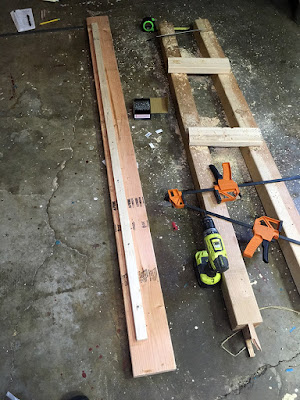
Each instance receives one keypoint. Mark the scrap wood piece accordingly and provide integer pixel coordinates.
(197, 65)
(225, 137)
(238, 293)
(130, 257)
(275, 199)
(251, 339)
(154, 355)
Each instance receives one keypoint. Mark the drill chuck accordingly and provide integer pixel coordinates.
(208, 223)
(209, 226)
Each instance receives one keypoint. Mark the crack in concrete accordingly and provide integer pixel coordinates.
(43, 296)
(55, 187)
(236, 389)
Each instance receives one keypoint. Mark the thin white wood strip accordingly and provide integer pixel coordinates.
(132, 268)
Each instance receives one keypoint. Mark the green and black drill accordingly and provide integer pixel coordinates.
(209, 264)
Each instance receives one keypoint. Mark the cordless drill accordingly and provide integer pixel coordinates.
(209, 264)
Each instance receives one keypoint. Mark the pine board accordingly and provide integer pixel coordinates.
(225, 137)
(238, 293)
(195, 65)
(154, 355)
(128, 244)
(275, 198)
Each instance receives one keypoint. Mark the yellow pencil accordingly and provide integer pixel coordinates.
(51, 20)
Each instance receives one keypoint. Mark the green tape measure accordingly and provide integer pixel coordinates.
(148, 24)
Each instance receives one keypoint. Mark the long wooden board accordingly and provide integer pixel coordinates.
(275, 198)
(194, 65)
(155, 354)
(225, 137)
(130, 258)
(238, 293)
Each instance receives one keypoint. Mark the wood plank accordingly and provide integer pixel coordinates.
(275, 198)
(237, 291)
(193, 65)
(154, 355)
(225, 137)
(131, 263)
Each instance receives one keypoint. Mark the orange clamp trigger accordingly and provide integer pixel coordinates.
(264, 228)
(226, 188)
(254, 243)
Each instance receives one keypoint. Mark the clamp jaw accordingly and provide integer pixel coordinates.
(174, 196)
(225, 189)
(265, 229)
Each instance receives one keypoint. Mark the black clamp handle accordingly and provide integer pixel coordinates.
(265, 245)
(215, 172)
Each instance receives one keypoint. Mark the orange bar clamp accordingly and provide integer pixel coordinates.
(225, 188)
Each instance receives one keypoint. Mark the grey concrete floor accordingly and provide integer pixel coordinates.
(60, 301)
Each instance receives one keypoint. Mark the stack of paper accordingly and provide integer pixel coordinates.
(23, 19)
